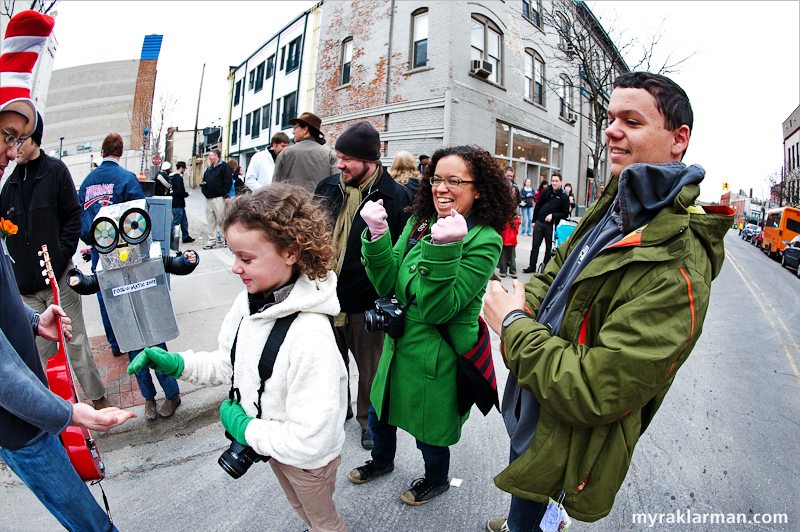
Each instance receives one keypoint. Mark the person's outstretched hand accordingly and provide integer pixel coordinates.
(87, 417)
(375, 215)
(154, 357)
(448, 230)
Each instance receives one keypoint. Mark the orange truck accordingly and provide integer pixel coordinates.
(780, 227)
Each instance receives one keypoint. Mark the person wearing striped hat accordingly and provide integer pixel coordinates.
(31, 416)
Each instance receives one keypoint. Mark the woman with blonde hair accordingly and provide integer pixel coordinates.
(404, 170)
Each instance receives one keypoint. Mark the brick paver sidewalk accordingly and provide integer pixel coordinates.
(122, 389)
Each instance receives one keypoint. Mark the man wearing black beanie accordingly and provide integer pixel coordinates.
(362, 178)
(40, 199)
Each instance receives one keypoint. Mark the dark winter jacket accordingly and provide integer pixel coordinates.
(163, 186)
(179, 193)
(108, 184)
(355, 291)
(632, 317)
(53, 217)
(551, 202)
(218, 181)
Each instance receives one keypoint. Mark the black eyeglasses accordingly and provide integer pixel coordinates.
(12, 140)
(449, 182)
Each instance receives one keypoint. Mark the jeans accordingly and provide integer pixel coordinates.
(524, 515)
(179, 218)
(103, 314)
(384, 436)
(46, 470)
(145, 380)
(527, 214)
(542, 232)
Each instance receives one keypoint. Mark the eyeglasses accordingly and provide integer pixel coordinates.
(450, 182)
(12, 140)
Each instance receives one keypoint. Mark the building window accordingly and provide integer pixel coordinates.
(252, 80)
(487, 44)
(265, 117)
(289, 109)
(534, 77)
(347, 59)
(531, 155)
(293, 58)
(236, 93)
(419, 45)
(531, 10)
(283, 56)
(278, 111)
(259, 77)
(270, 67)
(247, 123)
(256, 131)
(565, 97)
(235, 132)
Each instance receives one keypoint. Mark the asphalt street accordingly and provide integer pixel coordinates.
(724, 441)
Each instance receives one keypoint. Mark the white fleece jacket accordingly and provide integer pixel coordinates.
(304, 402)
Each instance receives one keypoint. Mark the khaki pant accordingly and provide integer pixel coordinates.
(367, 348)
(215, 213)
(79, 352)
(310, 492)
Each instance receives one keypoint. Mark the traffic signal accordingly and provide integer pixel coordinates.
(725, 186)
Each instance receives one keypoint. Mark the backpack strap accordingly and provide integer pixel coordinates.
(234, 393)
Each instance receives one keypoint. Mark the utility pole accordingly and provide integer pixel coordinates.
(195, 180)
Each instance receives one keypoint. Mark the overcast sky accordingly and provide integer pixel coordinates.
(743, 82)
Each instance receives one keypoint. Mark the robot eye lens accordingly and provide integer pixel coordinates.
(105, 234)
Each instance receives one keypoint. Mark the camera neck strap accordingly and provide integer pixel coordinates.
(268, 356)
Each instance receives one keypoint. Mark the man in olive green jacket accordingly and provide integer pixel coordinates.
(594, 343)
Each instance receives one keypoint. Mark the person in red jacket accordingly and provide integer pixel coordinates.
(508, 256)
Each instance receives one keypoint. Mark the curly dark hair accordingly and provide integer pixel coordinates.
(495, 206)
(288, 217)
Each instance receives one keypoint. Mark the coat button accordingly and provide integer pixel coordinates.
(363, 261)
(423, 270)
(412, 268)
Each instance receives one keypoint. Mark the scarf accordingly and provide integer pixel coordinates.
(344, 223)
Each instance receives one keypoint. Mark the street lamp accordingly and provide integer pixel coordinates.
(60, 147)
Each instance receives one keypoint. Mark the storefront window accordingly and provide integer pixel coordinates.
(501, 139)
(532, 156)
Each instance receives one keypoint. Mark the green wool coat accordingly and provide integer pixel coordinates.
(632, 318)
(416, 377)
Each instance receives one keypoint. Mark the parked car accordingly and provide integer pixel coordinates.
(781, 226)
(757, 238)
(791, 255)
(749, 230)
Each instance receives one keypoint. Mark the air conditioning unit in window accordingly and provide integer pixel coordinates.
(572, 118)
(569, 49)
(481, 68)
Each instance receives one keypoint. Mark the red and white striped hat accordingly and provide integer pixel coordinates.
(26, 35)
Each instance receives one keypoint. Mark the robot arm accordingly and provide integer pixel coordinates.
(83, 284)
(183, 264)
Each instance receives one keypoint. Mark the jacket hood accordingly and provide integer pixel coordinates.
(645, 189)
(308, 295)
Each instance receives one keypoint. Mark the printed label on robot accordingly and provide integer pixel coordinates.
(135, 287)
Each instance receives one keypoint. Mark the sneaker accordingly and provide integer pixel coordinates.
(150, 410)
(422, 491)
(210, 245)
(117, 353)
(187, 240)
(366, 439)
(367, 472)
(168, 407)
(101, 403)
(513, 275)
(497, 525)
(503, 275)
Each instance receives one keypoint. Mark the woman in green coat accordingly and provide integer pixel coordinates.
(441, 264)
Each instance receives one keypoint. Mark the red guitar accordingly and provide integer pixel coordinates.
(78, 441)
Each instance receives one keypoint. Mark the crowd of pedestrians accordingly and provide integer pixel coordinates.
(338, 256)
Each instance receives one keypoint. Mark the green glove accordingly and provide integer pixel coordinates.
(154, 357)
(234, 420)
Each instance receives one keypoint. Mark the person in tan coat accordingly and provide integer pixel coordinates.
(307, 161)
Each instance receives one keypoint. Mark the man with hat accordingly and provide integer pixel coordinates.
(163, 183)
(40, 199)
(361, 178)
(307, 161)
(31, 416)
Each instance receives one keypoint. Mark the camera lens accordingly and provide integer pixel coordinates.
(373, 322)
(236, 460)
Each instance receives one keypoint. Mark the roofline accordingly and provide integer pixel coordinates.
(301, 15)
(584, 10)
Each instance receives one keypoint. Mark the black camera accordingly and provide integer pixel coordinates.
(238, 458)
(387, 316)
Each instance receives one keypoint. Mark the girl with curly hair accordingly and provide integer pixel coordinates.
(283, 254)
(440, 268)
